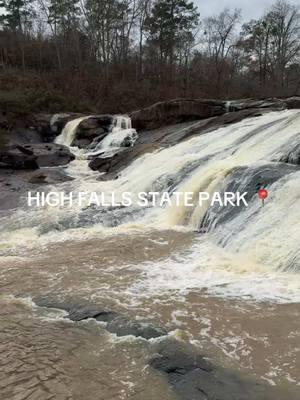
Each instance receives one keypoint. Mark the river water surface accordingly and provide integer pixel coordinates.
(233, 291)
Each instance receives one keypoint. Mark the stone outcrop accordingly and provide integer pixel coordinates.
(292, 102)
(48, 177)
(116, 323)
(50, 154)
(193, 377)
(176, 111)
(34, 156)
(18, 158)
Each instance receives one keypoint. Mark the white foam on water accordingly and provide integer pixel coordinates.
(208, 268)
(259, 243)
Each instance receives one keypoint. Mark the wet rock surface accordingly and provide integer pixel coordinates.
(96, 125)
(18, 158)
(34, 156)
(176, 111)
(244, 179)
(292, 156)
(153, 140)
(123, 326)
(194, 378)
(117, 324)
(50, 154)
(49, 177)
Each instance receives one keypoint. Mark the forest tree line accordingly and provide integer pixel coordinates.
(124, 54)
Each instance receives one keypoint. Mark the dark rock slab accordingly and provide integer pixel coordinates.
(174, 357)
(293, 102)
(120, 325)
(123, 326)
(49, 177)
(96, 125)
(121, 160)
(77, 312)
(91, 311)
(18, 158)
(176, 111)
(194, 378)
(50, 154)
(272, 103)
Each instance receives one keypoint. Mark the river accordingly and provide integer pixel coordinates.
(226, 281)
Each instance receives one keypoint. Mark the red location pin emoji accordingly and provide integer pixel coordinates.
(263, 195)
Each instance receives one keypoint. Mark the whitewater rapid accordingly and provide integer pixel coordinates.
(253, 252)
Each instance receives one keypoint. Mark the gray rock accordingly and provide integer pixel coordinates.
(176, 111)
(123, 326)
(293, 102)
(49, 177)
(18, 158)
(194, 378)
(50, 154)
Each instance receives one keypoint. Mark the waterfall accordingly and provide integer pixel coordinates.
(69, 132)
(122, 122)
(237, 157)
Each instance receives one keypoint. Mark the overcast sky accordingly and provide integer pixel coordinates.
(250, 8)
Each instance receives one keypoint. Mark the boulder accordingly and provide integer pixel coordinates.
(50, 154)
(120, 325)
(176, 111)
(18, 158)
(95, 126)
(194, 378)
(49, 177)
(123, 326)
(293, 102)
(49, 126)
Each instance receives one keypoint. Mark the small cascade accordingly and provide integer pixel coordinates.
(122, 135)
(69, 132)
(122, 122)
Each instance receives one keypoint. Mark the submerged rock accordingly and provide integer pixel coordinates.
(194, 378)
(123, 326)
(243, 179)
(118, 324)
(292, 156)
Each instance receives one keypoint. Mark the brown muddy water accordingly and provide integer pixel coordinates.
(46, 356)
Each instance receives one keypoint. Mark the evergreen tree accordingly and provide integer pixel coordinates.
(18, 15)
(63, 15)
(169, 23)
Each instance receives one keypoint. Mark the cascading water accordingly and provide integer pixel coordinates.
(121, 135)
(236, 156)
(69, 132)
(225, 279)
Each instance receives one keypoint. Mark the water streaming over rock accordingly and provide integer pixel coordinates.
(241, 157)
(224, 278)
